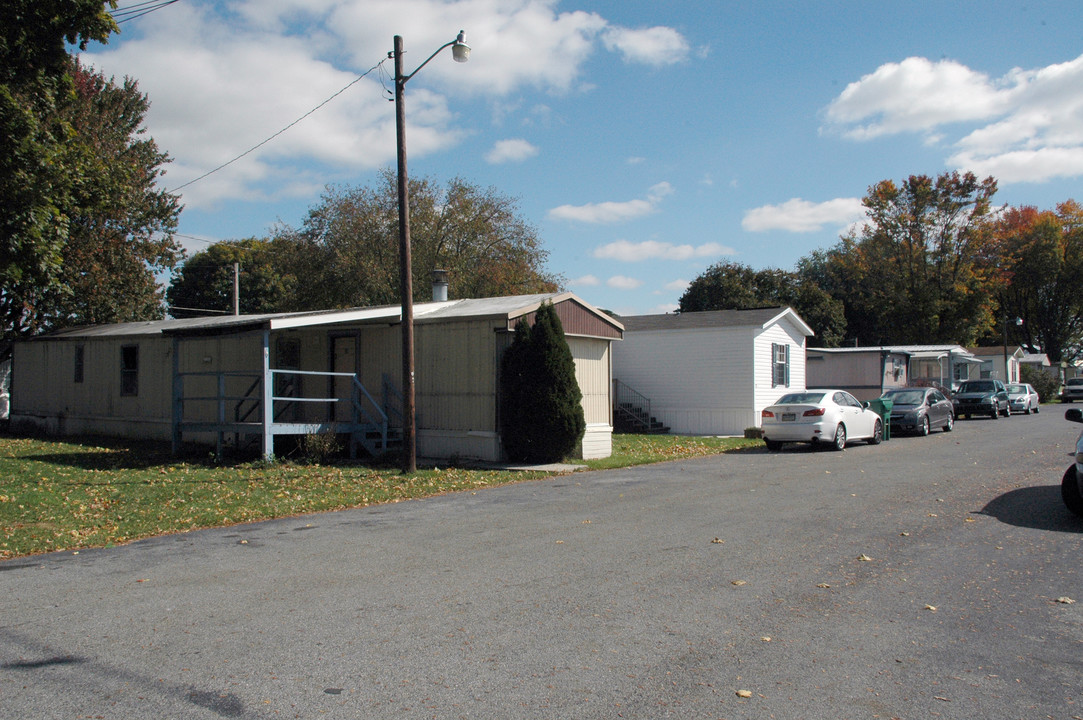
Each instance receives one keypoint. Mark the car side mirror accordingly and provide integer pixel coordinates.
(1074, 415)
(865, 404)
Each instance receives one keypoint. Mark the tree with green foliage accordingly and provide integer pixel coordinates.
(204, 284)
(924, 269)
(82, 229)
(733, 286)
(348, 247)
(541, 412)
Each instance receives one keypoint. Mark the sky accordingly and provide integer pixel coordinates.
(645, 140)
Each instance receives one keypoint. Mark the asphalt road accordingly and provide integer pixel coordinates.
(917, 579)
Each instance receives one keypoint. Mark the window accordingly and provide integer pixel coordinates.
(129, 370)
(780, 371)
(78, 364)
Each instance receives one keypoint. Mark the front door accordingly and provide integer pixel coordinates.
(344, 360)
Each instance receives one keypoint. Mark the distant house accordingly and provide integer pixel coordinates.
(708, 373)
(866, 372)
(993, 362)
(247, 379)
(869, 371)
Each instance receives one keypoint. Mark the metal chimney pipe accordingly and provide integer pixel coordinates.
(439, 285)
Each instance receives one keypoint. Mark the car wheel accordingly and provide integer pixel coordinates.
(924, 429)
(950, 423)
(877, 433)
(1036, 409)
(1007, 411)
(839, 442)
(773, 445)
(995, 414)
(1069, 490)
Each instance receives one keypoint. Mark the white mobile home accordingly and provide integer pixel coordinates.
(250, 378)
(709, 373)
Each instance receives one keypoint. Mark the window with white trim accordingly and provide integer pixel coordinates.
(780, 365)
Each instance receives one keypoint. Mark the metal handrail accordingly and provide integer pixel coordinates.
(623, 396)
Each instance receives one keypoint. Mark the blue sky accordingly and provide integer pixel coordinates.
(644, 140)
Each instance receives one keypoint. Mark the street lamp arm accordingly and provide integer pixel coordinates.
(459, 42)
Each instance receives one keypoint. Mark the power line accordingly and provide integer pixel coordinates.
(131, 12)
(261, 144)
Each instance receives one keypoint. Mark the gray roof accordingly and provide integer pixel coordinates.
(506, 307)
(759, 317)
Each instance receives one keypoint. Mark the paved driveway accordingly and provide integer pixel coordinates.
(915, 579)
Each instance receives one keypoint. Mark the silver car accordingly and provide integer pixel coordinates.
(1022, 398)
(919, 410)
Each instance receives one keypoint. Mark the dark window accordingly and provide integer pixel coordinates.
(78, 363)
(780, 366)
(129, 370)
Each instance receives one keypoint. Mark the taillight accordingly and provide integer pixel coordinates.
(766, 413)
(814, 412)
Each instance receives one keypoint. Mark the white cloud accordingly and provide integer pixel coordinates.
(224, 76)
(622, 282)
(914, 95)
(799, 215)
(614, 212)
(585, 281)
(677, 285)
(653, 250)
(516, 150)
(1029, 123)
(663, 309)
(656, 46)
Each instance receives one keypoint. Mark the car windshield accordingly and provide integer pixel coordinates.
(1076, 381)
(975, 386)
(801, 398)
(906, 397)
(1017, 389)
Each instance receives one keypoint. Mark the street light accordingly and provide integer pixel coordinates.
(460, 51)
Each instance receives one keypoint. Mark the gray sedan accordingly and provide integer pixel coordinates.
(919, 410)
(1022, 398)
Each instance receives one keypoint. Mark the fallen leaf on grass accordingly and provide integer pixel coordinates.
(864, 558)
(744, 693)
(931, 608)
(738, 583)
(718, 541)
(823, 585)
(1065, 600)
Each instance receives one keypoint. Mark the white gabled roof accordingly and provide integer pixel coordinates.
(759, 317)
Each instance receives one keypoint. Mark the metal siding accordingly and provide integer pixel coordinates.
(456, 376)
(591, 358)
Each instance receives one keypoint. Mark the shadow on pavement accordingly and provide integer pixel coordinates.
(1040, 508)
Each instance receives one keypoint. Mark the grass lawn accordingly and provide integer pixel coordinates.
(69, 495)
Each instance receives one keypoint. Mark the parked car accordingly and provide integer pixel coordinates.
(981, 397)
(820, 416)
(1071, 485)
(1072, 390)
(919, 409)
(1022, 398)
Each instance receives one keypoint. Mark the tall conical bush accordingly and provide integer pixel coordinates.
(541, 415)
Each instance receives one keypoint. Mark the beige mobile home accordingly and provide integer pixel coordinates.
(210, 380)
(708, 373)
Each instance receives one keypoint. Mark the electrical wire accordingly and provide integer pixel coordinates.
(252, 149)
(131, 12)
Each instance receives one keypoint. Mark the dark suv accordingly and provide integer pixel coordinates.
(1072, 390)
(981, 397)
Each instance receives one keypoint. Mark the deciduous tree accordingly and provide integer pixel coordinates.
(733, 286)
(349, 245)
(924, 268)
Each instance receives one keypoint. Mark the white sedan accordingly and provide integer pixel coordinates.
(820, 416)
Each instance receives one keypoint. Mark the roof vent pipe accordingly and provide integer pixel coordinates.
(439, 285)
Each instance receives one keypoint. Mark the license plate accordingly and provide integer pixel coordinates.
(789, 417)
